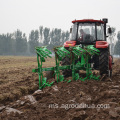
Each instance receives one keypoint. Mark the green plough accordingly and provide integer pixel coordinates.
(74, 53)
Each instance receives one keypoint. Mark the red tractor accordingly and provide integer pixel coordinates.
(91, 32)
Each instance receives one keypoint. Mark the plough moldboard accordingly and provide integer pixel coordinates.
(74, 53)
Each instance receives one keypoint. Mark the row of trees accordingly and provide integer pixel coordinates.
(18, 44)
(13, 44)
(47, 37)
(114, 44)
(117, 45)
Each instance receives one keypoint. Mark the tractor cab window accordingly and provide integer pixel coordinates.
(100, 31)
(86, 32)
(74, 32)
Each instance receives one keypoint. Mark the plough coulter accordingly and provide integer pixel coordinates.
(74, 54)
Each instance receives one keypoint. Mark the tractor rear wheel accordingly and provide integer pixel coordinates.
(66, 61)
(104, 62)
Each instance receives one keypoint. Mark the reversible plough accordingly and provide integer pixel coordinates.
(76, 53)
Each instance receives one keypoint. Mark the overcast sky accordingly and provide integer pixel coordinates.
(27, 15)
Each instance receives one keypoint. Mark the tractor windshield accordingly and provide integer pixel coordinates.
(74, 32)
(87, 32)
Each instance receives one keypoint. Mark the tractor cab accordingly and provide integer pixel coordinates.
(87, 31)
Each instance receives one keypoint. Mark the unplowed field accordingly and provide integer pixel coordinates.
(20, 98)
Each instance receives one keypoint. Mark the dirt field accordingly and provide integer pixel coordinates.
(77, 100)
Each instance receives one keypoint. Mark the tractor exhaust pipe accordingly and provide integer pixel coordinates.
(105, 22)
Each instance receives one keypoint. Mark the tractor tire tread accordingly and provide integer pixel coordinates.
(104, 61)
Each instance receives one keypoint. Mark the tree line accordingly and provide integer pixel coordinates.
(117, 45)
(17, 43)
(114, 44)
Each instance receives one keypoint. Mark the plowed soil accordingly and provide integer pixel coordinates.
(77, 100)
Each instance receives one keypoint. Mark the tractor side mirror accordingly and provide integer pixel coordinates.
(109, 30)
(70, 30)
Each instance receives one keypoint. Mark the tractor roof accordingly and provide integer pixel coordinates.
(87, 21)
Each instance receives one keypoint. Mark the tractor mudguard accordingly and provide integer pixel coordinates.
(69, 43)
(101, 44)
